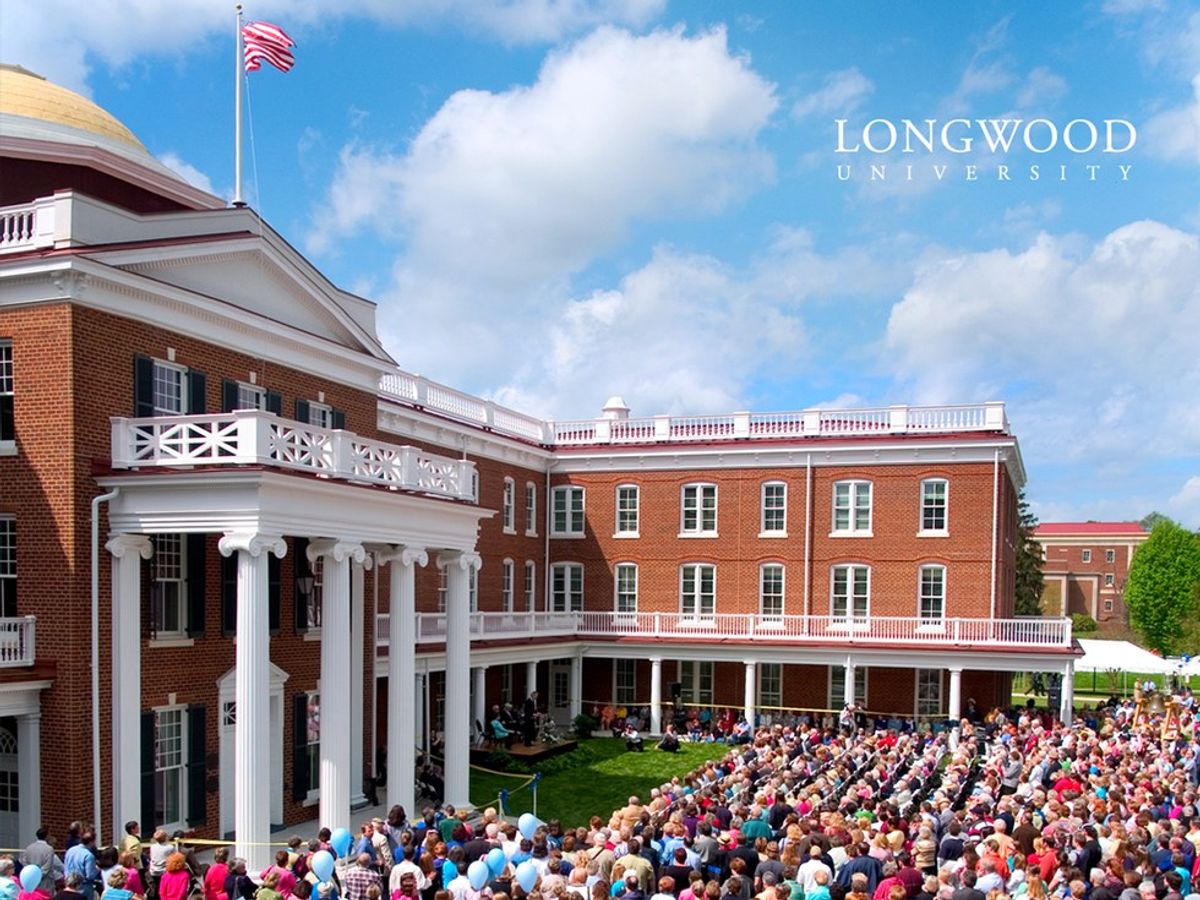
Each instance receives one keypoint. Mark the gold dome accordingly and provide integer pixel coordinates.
(23, 93)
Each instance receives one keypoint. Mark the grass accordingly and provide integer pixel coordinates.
(574, 796)
(1091, 687)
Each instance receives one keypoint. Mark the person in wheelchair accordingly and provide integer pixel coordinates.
(670, 740)
(496, 730)
(633, 740)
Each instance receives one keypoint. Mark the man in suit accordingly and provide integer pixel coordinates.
(529, 718)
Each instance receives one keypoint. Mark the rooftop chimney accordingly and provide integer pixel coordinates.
(615, 408)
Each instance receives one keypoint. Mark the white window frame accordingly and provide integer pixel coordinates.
(856, 487)
(472, 589)
(696, 681)
(697, 508)
(1109, 579)
(530, 509)
(563, 498)
(506, 683)
(314, 614)
(770, 686)
(8, 564)
(530, 585)
(771, 618)
(1086, 556)
(860, 674)
(508, 505)
(926, 501)
(622, 592)
(179, 768)
(180, 372)
(320, 415)
(313, 749)
(246, 390)
(1108, 604)
(765, 531)
(8, 384)
(506, 585)
(625, 509)
(849, 618)
(924, 705)
(928, 622)
(1110, 556)
(696, 599)
(562, 578)
(624, 681)
(178, 579)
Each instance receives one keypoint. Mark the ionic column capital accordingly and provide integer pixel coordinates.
(252, 542)
(120, 544)
(404, 555)
(465, 560)
(337, 550)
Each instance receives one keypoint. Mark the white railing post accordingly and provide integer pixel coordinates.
(993, 416)
(662, 428)
(466, 473)
(342, 444)
(957, 631)
(122, 443)
(897, 419)
(741, 424)
(657, 624)
(812, 421)
(489, 413)
(603, 431)
(421, 390)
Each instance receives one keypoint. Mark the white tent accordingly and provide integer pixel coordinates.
(1121, 656)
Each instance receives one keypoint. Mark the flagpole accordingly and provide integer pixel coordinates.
(237, 114)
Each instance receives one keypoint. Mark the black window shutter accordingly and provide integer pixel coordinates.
(149, 803)
(229, 595)
(274, 567)
(143, 386)
(149, 591)
(338, 418)
(197, 766)
(229, 395)
(300, 775)
(196, 570)
(196, 386)
(300, 568)
(302, 411)
(274, 403)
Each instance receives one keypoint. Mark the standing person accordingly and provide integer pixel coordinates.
(132, 843)
(214, 878)
(270, 888)
(117, 888)
(42, 855)
(238, 885)
(74, 884)
(529, 719)
(360, 877)
(159, 851)
(175, 880)
(81, 860)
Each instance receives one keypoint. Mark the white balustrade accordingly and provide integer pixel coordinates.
(252, 437)
(28, 226)
(17, 641)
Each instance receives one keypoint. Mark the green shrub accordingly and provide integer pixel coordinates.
(1082, 624)
(585, 725)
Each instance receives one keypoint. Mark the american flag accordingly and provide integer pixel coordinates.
(262, 40)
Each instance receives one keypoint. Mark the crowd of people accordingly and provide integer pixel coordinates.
(1012, 806)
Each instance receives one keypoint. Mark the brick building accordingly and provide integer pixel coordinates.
(1085, 565)
(227, 510)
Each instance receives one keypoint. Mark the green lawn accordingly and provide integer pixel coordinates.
(574, 796)
(1091, 687)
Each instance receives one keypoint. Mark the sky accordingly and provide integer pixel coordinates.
(555, 201)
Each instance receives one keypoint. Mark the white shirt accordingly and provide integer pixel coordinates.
(807, 874)
(406, 866)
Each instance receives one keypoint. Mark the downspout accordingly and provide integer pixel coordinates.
(375, 666)
(546, 542)
(995, 525)
(807, 531)
(96, 501)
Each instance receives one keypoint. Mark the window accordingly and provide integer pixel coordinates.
(933, 505)
(566, 587)
(837, 686)
(1087, 556)
(698, 591)
(169, 768)
(1108, 604)
(472, 590)
(507, 506)
(627, 510)
(852, 507)
(314, 605)
(696, 678)
(531, 509)
(931, 608)
(320, 415)
(929, 694)
(567, 511)
(313, 748)
(167, 591)
(625, 681)
(770, 686)
(169, 387)
(851, 594)
(626, 577)
(699, 509)
(1108, 580)
(774, 508)
(7, 429)
(1110, 556)
(506, 690)
(770, 591)
(560, 688)
(530, 586)
(8, 566)
(506, 586)
(250, 396)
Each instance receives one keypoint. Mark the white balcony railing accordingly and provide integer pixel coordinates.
(252, 437)
(956, 632)
(28, 226)
(17, 641)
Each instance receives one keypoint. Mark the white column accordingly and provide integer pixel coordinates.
(252, 695)
(576, 686)
(128, 551)
(1066, 712)
(954, 707)
(29, 771)
(849, 694)
(457, 742)
(479, 695)
(335, 676)
(656, 695)
(530, 678)
(750, 692)
(404, 708)
(357, 647)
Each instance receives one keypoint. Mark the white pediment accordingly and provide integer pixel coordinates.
(226, 683)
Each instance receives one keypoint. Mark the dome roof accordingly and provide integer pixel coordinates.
(24, 94)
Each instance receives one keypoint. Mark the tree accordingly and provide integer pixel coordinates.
(1163, 588)
(1149, 521)
(1028, 582)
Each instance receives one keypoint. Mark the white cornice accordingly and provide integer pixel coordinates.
(409, 423)
(1091, 540)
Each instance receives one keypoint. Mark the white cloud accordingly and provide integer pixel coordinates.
(186, 171)
(1174, 134)
(1094, 344)
(1185, 504)
(841, 94)
(1042, 87)
(64, 39)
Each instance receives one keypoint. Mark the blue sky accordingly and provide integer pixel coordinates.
(558, 200)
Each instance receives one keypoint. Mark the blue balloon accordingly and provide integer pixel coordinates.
(449, 872)
(477, 874)
(31, 877)
(527, 875)
(496, 861)
(322, 865)
(341, 840)
(528, 825)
